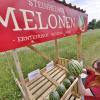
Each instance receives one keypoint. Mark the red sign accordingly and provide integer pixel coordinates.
(26, 22)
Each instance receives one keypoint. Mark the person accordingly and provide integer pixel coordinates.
(91, 88)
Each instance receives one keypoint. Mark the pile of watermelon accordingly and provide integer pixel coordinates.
(61, 89)
(75, 69)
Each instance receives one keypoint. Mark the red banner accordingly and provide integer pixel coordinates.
(26, 22)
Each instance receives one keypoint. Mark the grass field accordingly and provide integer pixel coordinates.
(31, 61)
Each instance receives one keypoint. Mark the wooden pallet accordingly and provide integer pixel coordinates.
(41, 86)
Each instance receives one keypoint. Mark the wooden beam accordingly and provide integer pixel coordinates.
(18, 67)
(62, 68)
(79, 44)
(57, 49)
(50, 79)
(40, 53)
(69, 89)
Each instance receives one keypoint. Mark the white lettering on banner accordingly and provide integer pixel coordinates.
(26, 20)
(72, 22)
(10, 11)
(45, 5)
(52, 21)
(32, 37)
(52, 16)
(40, 20)
(68, 22)
(61, 21)
(33, 74)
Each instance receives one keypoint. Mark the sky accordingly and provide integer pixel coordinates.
(92, 7)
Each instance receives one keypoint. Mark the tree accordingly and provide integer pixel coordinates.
(98, 24)
(93, 23)
(90, 25)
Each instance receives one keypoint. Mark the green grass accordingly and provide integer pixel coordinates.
(31, 61)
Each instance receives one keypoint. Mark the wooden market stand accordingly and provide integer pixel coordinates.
(40, 87)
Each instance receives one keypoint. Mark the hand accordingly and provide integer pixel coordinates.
(79, 77)
(84, 71)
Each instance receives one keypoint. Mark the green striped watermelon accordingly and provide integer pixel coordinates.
(61, 90)
(54, 96)
(71, 78)
(67, 83)
(74, 67)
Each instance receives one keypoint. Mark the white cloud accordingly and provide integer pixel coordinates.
(92, 7)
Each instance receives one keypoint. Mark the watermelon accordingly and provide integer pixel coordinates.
(68, 74)
(74, 67)
(66, 83)
(61, 90)
(71, 78)
(54, 96)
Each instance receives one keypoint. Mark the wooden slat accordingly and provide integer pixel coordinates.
(70, 88)
(34, 80)
(55, 73)
(75, 88)
(39, 86)
(63, 61)
(68, 96)
(44, 95)
(75, 94)
(72, 98)
(78, 98)
(59, 75)
(62, 67)
(42, 89)
(53, 70)
(36, 83)
(61, 78)
(50, 79)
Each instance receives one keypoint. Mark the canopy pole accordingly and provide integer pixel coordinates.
(18, 67)
(9, 65)
(57, 49)
(79, 55)
(13, 73)
(79, 44)
(40, 53)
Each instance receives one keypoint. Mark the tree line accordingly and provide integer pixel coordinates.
(94, 24)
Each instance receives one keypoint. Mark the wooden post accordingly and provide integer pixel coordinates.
(57, 49)
(79, 55)
(18, 67)
(40, 53)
